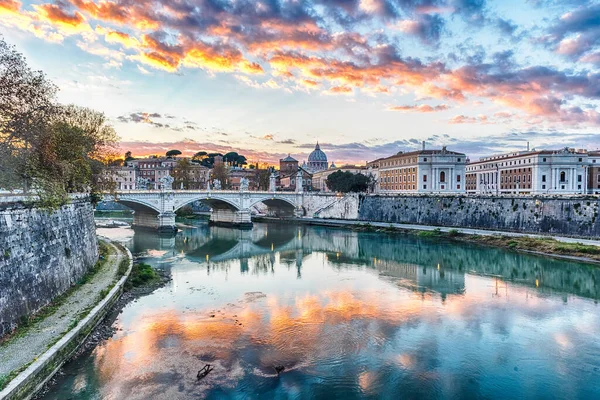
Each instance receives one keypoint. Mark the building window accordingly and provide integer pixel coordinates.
(544, 159)
(543, 186)
(425, 159)
(442, 177)
(579, 187)
(543, 178)
(425, 186)
(580, 159)
(578, 178)
(458, 179)
(563, 176)
(458, 186)
(425, 178)
(458, 159)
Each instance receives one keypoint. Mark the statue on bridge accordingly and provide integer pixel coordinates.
(244, 183)
(272, 185)
(166, 182)
(217, 184)
(141, 183)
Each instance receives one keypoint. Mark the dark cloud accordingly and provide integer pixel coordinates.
(287, 141)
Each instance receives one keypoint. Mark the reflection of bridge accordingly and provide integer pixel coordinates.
(412, 262)
(156, 209)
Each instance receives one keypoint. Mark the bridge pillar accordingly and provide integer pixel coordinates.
(227, 217)
(166, 222)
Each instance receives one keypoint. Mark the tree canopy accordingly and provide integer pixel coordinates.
(172, 153)
(346, 182)
(52, 148)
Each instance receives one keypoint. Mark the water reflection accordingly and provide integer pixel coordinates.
(350, 315)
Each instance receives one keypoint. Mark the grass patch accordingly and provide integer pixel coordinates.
(141, 274)
(434, 233)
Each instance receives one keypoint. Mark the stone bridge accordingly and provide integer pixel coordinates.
(156, 209)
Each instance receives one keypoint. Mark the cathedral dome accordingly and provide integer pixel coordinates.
(317, 155)
(317, 160)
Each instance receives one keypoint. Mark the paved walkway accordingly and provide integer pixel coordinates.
(468, 231)
(23, 350)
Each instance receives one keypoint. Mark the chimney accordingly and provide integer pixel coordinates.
(423, 145)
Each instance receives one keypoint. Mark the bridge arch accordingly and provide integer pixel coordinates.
(280, 206)
(215, 202)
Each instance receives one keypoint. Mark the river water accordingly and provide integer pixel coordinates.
(349, 315)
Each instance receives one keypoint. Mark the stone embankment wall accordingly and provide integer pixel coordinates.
(42, 254)
(577, 216)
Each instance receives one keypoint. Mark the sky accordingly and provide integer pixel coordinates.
(364, 78)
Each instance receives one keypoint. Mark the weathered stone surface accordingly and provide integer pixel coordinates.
(564, 216)
(42, 254)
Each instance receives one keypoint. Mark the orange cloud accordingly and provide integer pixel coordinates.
(12, 6)
(121, 38)
(56, 15)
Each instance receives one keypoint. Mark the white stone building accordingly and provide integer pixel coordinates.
(422, 171)
(530, 172)
(123, 177)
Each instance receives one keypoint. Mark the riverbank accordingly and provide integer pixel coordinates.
(142, 281)
(34, 352)
(587, 250)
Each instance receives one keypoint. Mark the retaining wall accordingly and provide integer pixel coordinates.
(577, 216)
(42, 254)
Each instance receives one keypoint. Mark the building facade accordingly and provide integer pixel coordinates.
(123, 178)
(422, 171)
(593, 172)
(562, 171)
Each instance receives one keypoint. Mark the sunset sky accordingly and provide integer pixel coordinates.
(366, 78)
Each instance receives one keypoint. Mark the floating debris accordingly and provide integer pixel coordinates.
(279, 369)
(204, 371)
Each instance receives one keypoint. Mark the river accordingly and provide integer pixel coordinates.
(349, 315)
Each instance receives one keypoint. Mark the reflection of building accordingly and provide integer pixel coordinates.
(421, 278)
(530, 172)
(422, 171)
(319, 179)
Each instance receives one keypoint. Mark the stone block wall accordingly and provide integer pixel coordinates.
(42, 254)
(576, 216)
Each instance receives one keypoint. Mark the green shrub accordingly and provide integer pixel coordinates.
(141, 274)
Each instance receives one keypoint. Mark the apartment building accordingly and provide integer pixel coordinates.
(422, 171)
(563, 171)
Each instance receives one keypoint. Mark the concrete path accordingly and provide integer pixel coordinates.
(468, 231)
(22, 350)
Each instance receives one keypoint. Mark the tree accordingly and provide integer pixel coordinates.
(181, 173)
(128, 156)
(26, 104)
(199, 156)
(56, 149)
(263, 178)
(221, 173)
(173, 153)
(346, 182)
